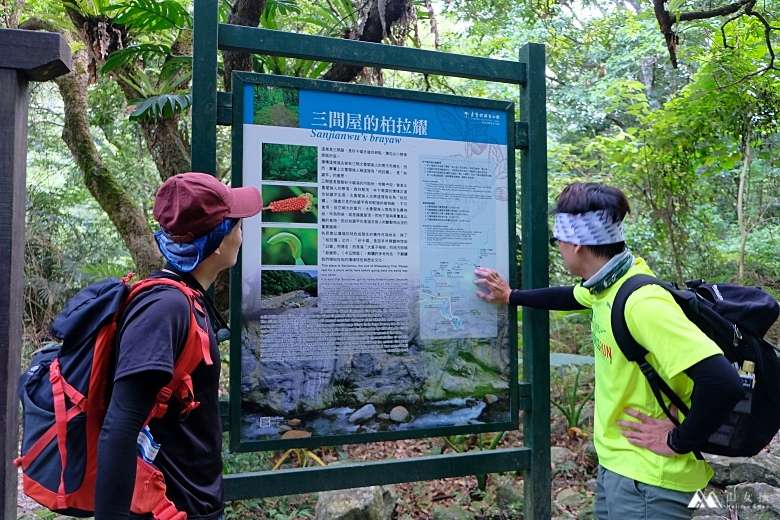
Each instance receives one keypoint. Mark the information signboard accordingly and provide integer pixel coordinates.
(357, 318)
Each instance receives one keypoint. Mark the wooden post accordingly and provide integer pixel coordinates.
(24, 56)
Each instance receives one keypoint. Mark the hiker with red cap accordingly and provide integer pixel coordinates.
(199, 237)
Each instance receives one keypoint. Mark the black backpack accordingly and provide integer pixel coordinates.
(736, 318)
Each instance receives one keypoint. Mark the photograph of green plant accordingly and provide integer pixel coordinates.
(290, 204)
(289, 162)
(275, 106)
(289, 246)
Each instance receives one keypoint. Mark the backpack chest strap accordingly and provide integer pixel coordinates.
(196, 349)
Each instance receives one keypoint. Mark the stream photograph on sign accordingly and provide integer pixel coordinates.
(359, 316)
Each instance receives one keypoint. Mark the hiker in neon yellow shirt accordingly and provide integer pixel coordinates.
(646, 466)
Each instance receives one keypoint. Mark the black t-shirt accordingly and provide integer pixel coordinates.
(151, 335)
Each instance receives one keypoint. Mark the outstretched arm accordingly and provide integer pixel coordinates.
(494, 289)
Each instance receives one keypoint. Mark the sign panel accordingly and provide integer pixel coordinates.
(358, 316)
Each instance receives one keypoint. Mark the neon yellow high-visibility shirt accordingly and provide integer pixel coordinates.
(674, 344)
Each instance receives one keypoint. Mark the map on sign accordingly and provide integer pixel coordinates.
(458, 234)
(448, 306)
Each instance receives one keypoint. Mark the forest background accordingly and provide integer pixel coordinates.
(675, 102)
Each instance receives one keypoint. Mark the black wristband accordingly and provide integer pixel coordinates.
(671, 439)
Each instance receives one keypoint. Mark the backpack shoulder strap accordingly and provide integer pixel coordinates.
(637, 353)
(196, 348)
(625, 342)
(147, 283)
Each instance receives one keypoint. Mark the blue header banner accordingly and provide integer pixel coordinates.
(377, 115)
(338, 112)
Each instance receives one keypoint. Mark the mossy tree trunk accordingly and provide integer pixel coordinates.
(113, 198)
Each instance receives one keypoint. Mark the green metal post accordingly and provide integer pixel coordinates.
(536, 334)
(204, 87)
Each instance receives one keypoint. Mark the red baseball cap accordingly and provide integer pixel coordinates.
(189, 205)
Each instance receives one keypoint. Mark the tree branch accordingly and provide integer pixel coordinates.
(767, 35)
(723, 31)
(434, 23)
(714, 13)
(740, 7)
(665, 23)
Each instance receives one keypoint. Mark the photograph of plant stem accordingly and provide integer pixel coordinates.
(289, 246)
(290, 204)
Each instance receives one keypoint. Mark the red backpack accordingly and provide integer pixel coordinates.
(65, 394)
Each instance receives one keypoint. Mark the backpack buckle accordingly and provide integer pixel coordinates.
(187, 408)
(647, 370)
(164, 395)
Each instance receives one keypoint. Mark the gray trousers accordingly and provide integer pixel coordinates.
(621, 498)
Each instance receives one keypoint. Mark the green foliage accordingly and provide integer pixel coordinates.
(159, 100)
(281, 508)
(334, 18)
(68, 245)
(151, 15)
(274, 8)
(132, 53)
(94, 8)
(572, 394)
(479, 442)
(161, 107)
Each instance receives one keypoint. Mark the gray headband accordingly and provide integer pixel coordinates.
(592, 228)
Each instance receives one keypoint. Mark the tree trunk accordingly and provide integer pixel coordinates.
(744, 179)
(663, 210)
(244, 12)
(374, 30)
(168, 145)
(128, 218)
(647, 76)
(677, 263)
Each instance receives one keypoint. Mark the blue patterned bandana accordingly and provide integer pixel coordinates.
(592, 228)
(185, 256)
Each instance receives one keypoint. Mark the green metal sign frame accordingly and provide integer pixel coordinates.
(239, 80)
(212, 108)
